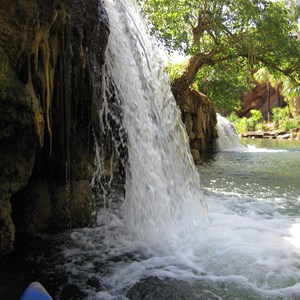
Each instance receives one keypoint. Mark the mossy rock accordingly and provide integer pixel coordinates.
(10, 87)
(7, 229)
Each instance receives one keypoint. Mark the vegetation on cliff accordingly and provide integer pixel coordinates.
(282, 122)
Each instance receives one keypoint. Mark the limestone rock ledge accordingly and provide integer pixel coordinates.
(51, 54)
(200, 118)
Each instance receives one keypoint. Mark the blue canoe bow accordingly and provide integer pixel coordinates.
(35, 291)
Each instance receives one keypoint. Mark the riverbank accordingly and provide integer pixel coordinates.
(276, 134)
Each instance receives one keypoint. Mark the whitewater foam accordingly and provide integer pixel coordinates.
(162, 185)
(229, 140)
(247, 252)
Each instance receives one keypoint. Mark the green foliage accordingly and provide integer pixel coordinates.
(279, 114)
(256, 115)
(291, 90)
(281, 118)
(294, 9)
(226, 39)
(175, 70)
(242, 125)
(170, 20)
(262, 75)
(233, 117)
(224, 84)
(247, 124)
(259, 30)
(262, 126)
(288, 124)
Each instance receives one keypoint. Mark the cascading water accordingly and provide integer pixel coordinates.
(155, 244)
(228, 139)
(163, 194)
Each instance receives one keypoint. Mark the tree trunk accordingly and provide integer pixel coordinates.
(198, 113)
(278, 96)
(297, 106)
(182, 83)
(268, 102)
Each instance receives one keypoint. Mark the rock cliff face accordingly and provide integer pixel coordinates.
(51, 53)
(200, 118)
(258, 99)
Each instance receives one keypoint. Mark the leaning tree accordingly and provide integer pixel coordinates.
(211, 32)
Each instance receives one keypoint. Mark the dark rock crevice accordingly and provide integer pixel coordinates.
(51, 55)
(51, 58)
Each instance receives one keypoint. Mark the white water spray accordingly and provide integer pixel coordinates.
(250, 250)
(163, 193)
(228, 139)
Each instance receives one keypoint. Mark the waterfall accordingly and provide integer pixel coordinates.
(228, 139)
(158, 231)
(163, 192)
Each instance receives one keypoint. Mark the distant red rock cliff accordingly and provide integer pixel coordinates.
(258, 99)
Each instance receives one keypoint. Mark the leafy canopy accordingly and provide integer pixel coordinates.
(224, 84)
(222, 35)
(293, 9)
(258, 29)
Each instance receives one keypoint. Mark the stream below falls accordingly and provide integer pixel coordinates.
(227, 230)
(250, 249)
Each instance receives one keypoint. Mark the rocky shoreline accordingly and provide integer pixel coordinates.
(276, 134)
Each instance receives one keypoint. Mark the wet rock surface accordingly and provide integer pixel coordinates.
(51, 54)
(200, 119)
